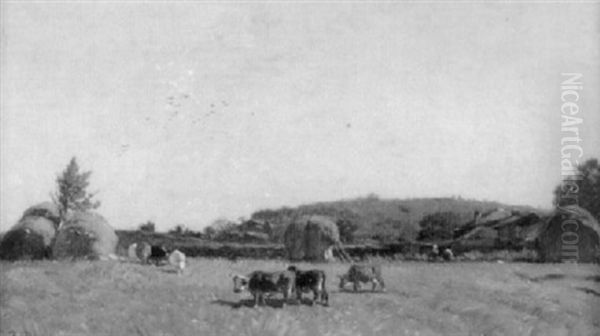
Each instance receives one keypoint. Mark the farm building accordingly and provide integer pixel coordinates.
(513, 231)
(572, 233)
(32, 236)
(85, 235)
(310, 237)
(480, 238)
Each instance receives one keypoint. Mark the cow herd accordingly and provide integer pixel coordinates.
(157, 255)
(295, 282)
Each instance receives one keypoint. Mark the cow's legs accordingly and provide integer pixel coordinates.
(262, 299)
(374, 284)
(325, 297)
(382, 284)
(299, 295)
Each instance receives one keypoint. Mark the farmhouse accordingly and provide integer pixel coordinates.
(571, 234)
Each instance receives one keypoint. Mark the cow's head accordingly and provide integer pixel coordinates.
(240, 283)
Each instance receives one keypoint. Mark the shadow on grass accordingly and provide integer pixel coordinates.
(595, 278)
(551, 276)
(273, 303)
(362, 291)
(588, 291)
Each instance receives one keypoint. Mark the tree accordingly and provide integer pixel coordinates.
(438, 226)
(210, 232)
(178, 230)
(149, 226)
(584, 192)
(71, 194)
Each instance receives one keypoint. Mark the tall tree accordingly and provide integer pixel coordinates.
(583, 191)
(71, 194)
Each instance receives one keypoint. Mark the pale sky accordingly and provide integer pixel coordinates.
(186, 112)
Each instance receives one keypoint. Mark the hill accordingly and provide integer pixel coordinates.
(383, 219)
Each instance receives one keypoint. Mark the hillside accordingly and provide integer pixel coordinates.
(383, 219)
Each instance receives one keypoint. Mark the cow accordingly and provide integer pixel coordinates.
(261, 284)
(447, 254)
(143, 251)
(177, 259)
(434, 253)
(158, 254)
(310, 281)
(363, 273)
(132, 252)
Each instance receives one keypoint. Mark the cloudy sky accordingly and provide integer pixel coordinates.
(192, 111)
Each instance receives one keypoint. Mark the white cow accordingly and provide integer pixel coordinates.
(132, 252)
(177, 259)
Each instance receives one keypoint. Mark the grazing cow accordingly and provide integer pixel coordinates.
(363, 273)
(434, 253)
(158, 254)
(177, 259)
(143, 252)
(310, 281)
(447, 254)
(261, 284)
(132, 252)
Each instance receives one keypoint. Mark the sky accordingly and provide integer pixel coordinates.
(186, 112)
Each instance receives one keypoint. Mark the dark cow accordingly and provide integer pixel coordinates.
(311, 281)
(158, 254)
(447, 254)
(363, 273)
(261, 284)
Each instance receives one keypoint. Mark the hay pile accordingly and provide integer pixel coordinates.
(32, 236)
(47, 210)
(85, 235)
(554, 237)
(309, 237)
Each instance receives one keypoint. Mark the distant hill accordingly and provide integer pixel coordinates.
(384, 219)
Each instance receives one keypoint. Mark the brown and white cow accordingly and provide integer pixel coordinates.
(261, 284)
(358, 274)
(313, 280)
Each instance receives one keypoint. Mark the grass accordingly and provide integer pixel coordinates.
(474, 298)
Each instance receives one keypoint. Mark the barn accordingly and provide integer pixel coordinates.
(570, 234)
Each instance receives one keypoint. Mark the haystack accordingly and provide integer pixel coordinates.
(30, 238)
(46, 210)
(85, 235)
(309, 237)
(572, 233)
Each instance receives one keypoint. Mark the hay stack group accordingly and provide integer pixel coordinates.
(39, 234)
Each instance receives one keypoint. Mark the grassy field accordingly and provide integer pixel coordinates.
(118, 298)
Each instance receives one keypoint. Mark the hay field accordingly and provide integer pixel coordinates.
(117, 298)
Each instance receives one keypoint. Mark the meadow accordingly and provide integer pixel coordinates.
(462, 298)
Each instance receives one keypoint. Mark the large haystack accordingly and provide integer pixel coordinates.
(30, 238)
(309, 237)
(571, 234)
(85, 235)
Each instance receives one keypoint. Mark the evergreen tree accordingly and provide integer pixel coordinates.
(71, 194)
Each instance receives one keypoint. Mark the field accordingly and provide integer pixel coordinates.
(120, 298)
